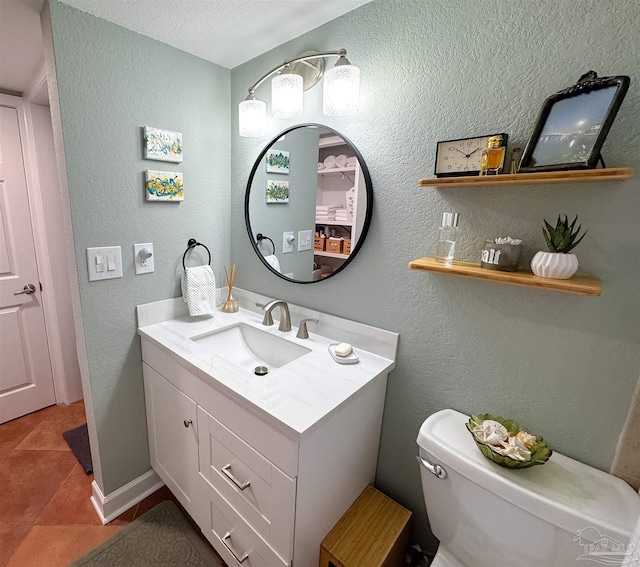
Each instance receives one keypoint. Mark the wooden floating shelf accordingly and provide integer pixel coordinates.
(574, 175)
(330, 254)
(582, 285)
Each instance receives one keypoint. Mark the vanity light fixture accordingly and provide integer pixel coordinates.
(341, 90)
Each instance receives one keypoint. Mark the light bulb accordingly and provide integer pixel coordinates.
(286, 95)
(341, 89)
(252, 118)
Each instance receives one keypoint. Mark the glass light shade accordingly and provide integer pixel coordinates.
(252, 118)
(341, 90)
(286, 96)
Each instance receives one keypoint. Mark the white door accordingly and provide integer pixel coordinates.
(26, 381)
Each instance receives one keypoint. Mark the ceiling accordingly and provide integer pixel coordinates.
(226, 32)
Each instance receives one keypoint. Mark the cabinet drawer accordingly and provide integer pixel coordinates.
(260, 492)
(234, 539)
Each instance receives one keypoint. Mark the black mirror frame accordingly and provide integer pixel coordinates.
(367, 220)
(587, 83)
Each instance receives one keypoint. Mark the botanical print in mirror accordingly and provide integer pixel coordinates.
(329, 210)
(573, 125)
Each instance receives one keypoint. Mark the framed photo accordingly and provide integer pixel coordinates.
(463, 157)
(163, 186)
(277, 191)
(573, 124)
(162, 145)
(277, 161)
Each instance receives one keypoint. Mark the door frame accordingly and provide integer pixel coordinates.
(43, 259)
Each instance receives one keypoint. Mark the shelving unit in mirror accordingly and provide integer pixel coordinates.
(582, 285)
(573, 176)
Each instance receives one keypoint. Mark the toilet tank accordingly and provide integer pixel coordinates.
(550, 515)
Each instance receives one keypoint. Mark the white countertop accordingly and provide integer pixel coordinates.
(299, 394)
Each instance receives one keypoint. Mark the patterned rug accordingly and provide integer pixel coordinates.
(160, 538)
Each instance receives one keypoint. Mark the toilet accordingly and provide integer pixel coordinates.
(552, 515)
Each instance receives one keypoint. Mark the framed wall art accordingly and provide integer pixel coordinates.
(277, 161)
(573, 124)
(162, 145)
(277, 191)
(164, 186)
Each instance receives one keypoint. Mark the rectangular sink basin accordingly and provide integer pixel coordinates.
(249, 347)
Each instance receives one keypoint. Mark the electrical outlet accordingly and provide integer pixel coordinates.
(143, 258)
(288, 238)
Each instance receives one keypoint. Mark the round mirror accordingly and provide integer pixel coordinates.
(308, 203)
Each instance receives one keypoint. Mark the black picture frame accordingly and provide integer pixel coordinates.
(583, 115)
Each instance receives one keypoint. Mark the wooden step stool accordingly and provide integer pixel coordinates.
(374, 532)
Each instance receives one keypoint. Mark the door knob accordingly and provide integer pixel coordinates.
(27, 289)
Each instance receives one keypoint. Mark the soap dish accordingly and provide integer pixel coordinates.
(352, 358)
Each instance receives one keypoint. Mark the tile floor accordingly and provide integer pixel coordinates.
(46, 518)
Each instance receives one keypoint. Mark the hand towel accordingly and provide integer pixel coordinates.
(199, 290)
(352, 161)
(632, 558)
(330, 161)
(341, 160)
(273, 261)
(326, 207)
(320, 166)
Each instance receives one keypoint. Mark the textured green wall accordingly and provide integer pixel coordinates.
(564, 365)
(111, 83)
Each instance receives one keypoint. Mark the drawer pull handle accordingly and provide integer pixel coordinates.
(187, 422)
(238, 559)
(240, 485)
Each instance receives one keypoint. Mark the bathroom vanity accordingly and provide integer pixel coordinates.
(265, 465)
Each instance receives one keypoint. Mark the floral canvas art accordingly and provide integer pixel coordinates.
(163, 145)
(164, 186)
(277, 191)
(277, 161)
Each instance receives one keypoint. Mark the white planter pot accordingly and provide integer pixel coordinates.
(554, 265)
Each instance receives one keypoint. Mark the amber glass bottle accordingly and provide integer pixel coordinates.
(492, 156)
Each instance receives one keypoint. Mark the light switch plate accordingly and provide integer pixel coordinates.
(142, 266)
(106, 255)
(304, 240)
(287, 242)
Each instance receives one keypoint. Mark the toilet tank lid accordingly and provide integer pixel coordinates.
(564, 492)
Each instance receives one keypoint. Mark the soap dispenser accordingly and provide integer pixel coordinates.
(447, 233)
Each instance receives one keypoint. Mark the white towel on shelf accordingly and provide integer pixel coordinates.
(199, 290)
(273, 261)
(352, 161)
(326, 208)
(320, 166)
(341, 160)
(330, 161)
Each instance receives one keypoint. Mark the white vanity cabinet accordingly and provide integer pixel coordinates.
(263, 494)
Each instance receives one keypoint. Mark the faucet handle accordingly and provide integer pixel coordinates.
(302, 329)
(267, 320)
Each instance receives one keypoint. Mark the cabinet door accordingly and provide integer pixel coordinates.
(173, 440)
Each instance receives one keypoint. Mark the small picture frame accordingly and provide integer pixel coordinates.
(277, 191)
(163, 186)
(162, 145)
(573, 124)
(277, 161)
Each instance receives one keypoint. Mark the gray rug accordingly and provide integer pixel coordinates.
(160, 538)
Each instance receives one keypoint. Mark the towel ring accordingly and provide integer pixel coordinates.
(192, 244)
(260, 237)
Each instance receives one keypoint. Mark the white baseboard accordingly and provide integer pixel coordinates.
(109, 507)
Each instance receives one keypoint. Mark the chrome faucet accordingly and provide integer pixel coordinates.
(285, 318)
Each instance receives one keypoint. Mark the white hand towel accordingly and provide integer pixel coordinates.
(273, 261)
(320, 166)
(199, 290)
(341, 160)
(352, 161)
(330, 161)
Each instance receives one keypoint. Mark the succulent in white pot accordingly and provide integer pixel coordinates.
(558, 264)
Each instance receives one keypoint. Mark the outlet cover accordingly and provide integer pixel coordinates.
(143, 265)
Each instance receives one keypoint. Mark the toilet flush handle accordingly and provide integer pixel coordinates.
(436, 470)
